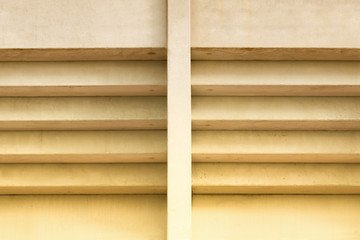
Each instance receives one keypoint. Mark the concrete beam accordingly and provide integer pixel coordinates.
(276, 146)
(117, 78)
(82, 179)
(82, 146)
(276, 113)
(275, 217)
(275, 78)
(82, 113)
(243, 178)
(179, 121)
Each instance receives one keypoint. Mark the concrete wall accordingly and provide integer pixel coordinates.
(96, 149)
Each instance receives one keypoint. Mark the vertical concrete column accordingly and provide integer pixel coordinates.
(179, 121)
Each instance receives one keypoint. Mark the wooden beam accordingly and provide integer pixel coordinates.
(241, 178)
(81, 54)
(98, 78)
(82, 146)
(198, 53)
(89, 216)
(275, 78)
(179, 121)
(276, 113)
(275, 53)
(82, 113)
(82, 179)
(276, 146)
(278, 216)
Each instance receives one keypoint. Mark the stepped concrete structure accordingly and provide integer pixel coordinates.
(179, 119)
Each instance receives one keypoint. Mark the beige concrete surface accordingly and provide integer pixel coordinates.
(98, 78)
(85, 113)
(276, 217)
(280, 23)
(276, 113)
(83, 217)
(82, 146)
(179, 121)
(276, 146)
(83, 24)
(82, 179)
(275, 78)
(242, 178)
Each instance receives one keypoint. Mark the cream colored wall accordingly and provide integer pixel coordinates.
(83, 24)
(280, 23)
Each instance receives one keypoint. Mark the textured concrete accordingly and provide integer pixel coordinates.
(83, 24)
(88, 216)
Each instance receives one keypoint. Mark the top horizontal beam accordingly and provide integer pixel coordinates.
(275, 53)
(197, 53)
(82, 54)
(108, 54)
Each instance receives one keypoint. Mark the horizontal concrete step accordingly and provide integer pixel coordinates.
(82, 178)
(207, 146)
(90, 216)
(276, 113)
(206, 178)
(275, 217)
(82, 113)
(230, 178)
(282, 78)
(276, 146)
(109, 78)
(82, 146)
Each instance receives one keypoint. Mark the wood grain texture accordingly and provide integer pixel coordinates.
(81, 54)
(84, 91)
(83, 179)
(241, 178)
(275, 90)
(275, 54)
